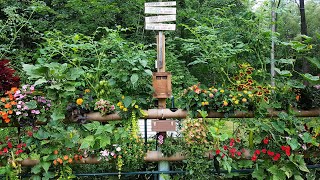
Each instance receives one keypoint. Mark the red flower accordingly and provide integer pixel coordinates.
(231, 142)
(1, 153)
(29, 133)
(286, 149)
(223, 155)
(276, 157)
(266, 141)
(270, 153)
(225, 147)
(218, 151)
(264, 151)
(257, 152)
(5, 150)
(9, 145)
(254, 157)
(19, 146)
(238, 153)
(232, 151)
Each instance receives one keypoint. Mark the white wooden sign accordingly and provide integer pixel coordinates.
(152, 4)
(164, 18)
(160, 27)
(160, 10)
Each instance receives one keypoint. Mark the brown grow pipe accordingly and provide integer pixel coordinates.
(180, 114)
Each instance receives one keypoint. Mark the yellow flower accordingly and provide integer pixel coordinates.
(222, 91)
(244, 100)
(86, 90)
(125, 109)
(79, 101)
(251, 95)
(122, 97)
(202, 104)
(136, 106)
(236, 102)
(225, 103)
(119, 103)
(121, 107)
(245, 92)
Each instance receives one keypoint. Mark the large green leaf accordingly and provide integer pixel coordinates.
(134, 78)
(315, 61)
(87, 142)
(310, 77)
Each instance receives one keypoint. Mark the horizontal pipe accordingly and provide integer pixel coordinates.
(181, 114)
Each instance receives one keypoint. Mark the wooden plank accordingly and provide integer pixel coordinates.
(160, 27)
(153, 4)
(160, 10)
(163, 125)
(164, 18)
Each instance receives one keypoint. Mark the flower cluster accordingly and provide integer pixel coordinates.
(108, 155)
(24, 105)
(8, 146)
(243, 94)
(7, 77)
(231, 149)
(104, 107)
(265, 153)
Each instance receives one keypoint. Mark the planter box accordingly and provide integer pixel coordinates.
(156, 156)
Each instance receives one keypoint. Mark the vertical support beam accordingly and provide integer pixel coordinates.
(161, 67)
(273, 29)
(161, 58)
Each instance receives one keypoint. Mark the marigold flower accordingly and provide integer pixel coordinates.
(225, 103)
(79, 101)
(7, 106)
(221, 91)
(86, 90)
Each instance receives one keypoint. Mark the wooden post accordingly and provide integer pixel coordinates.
(161, 63)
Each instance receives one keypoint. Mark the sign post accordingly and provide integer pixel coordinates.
(165, 13)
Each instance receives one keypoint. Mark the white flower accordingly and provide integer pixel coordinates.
(118, 149)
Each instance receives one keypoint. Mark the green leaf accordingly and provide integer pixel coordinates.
(314, 61)
(287, 170)
(31, 104)
(259, 174)
(92, 126)
(74, 73)
(306, 137)
(283, 73)
(278, 126)
(105, 141)
(298, 177)
(144, 63)
(57, 115)
(87, 142)
(310, 77)
(277, 173)
(45, 166)
(127, 101)
(148, 71)
(294, 144)
(134, 78)
(36, 169)
(40, 81)
(286, 61)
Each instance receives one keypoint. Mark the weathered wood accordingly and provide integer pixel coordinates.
(160, 10)
(157, 19)
(153, 4)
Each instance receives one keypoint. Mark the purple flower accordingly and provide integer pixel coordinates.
(32, 88)
(49, 105)
(24, 87)
(18, 113)
(19, 106)
(35, 111)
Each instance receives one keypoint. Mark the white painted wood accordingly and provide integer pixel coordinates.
(152, 4)
(164, 18)
(160, 27)
(160, 10)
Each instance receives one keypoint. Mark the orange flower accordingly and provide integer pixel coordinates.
(3, 99)
(79, 101)
(10, 112)
(7, 120)
(7, 106)
(13, 103)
